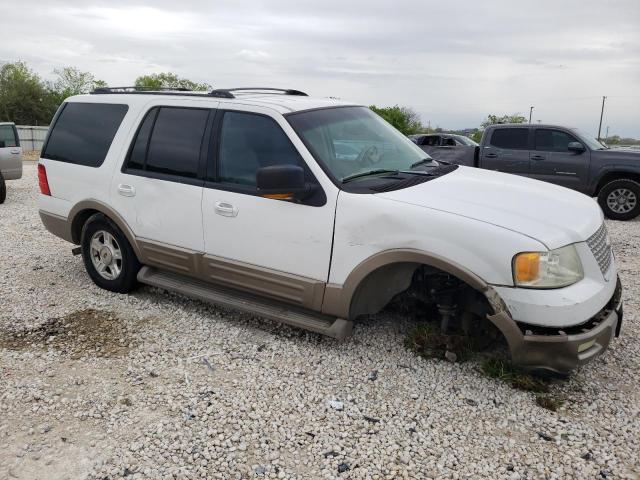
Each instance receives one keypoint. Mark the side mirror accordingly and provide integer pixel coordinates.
(575, 147)
(282, 182)
(2, 144)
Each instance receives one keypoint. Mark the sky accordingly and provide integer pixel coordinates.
(453, 62)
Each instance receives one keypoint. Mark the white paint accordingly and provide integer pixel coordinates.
(473, 218)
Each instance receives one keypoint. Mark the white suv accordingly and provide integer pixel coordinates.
(314, 212)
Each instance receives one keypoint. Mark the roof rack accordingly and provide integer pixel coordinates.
(228, 92)
(218, 93)
(139, 89)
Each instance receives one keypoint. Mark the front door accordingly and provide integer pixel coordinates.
(507, 151)
(158, 192)
(276, 248)
(551, 161)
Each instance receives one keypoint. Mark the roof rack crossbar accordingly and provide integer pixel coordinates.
(228, 92)
(135, 88)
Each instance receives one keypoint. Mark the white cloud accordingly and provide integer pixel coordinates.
(454, 62)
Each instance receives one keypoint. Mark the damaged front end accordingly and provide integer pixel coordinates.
(558, 350)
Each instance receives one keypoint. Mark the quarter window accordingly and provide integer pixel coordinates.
(553, 140)
(8, 136)
(83, 133)
(249, 142)
(510, 138)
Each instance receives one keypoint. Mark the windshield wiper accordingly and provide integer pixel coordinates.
(348, 178)
(421, 162)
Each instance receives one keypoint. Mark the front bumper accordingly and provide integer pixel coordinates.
(561, 350)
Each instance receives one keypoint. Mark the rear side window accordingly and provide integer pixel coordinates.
(510, 138)
(8, 136)
(83, 132)
(169, 141)
(553, 140)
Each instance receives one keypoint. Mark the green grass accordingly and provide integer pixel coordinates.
(505, 371)
(428, 341)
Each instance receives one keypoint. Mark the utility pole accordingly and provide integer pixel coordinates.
(601, 114)
(607, 134)
(530, 112)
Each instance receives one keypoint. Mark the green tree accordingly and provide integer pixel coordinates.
(72, 81)
(169, 80)
(24, 97)
(403, 118)
(476, 136)
(493, 119)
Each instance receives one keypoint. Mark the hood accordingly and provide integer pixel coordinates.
(553, 215)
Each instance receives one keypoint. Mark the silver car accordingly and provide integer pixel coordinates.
(10, 156)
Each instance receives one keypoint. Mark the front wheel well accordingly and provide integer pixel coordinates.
(417, 282)
(611, 176)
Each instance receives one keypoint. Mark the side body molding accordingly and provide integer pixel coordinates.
(378, 278)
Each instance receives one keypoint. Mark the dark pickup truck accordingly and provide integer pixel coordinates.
(560, 155)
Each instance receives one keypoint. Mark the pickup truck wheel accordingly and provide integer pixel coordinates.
(620, 199)
(108, 257)
(3, 189)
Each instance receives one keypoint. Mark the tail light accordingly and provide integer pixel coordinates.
(42, 180)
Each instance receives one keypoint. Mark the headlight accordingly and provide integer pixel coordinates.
(553, 269)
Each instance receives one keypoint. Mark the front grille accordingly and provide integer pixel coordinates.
(601, 248)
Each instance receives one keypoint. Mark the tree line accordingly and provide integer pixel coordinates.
(27, 99)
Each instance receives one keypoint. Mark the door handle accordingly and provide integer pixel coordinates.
(126, 190)
(225, 209)
(537, 157)
(490, 155)
(15, 151)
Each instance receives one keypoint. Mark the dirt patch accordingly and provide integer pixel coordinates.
(96, 332)
(32, 156)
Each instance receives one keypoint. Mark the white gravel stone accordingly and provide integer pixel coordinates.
(143, 404)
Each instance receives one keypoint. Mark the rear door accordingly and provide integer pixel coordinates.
(10, 152)
(507, 150)
(158, 191)
(551, 160)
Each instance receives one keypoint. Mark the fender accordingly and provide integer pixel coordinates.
(96, 205)
(619, 171)
(400, 265)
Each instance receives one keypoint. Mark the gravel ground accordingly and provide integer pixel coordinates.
(153, 385)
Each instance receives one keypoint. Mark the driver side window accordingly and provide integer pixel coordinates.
(248, 142)
(553, 140)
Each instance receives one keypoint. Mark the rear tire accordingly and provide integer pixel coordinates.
(108, 256)
(620, 199)
(3, 189)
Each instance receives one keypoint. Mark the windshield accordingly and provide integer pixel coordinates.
(591, 142)
(466, 141)
(351, 141)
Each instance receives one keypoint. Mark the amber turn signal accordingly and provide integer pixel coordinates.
(527, 266)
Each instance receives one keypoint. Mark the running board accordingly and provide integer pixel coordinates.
(271, 309)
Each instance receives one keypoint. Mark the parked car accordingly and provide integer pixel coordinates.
(10, 156)
(448, 147)
(442, 140)
(560, 155)
(240, 197)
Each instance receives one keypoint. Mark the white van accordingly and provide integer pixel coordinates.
(245, 197)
